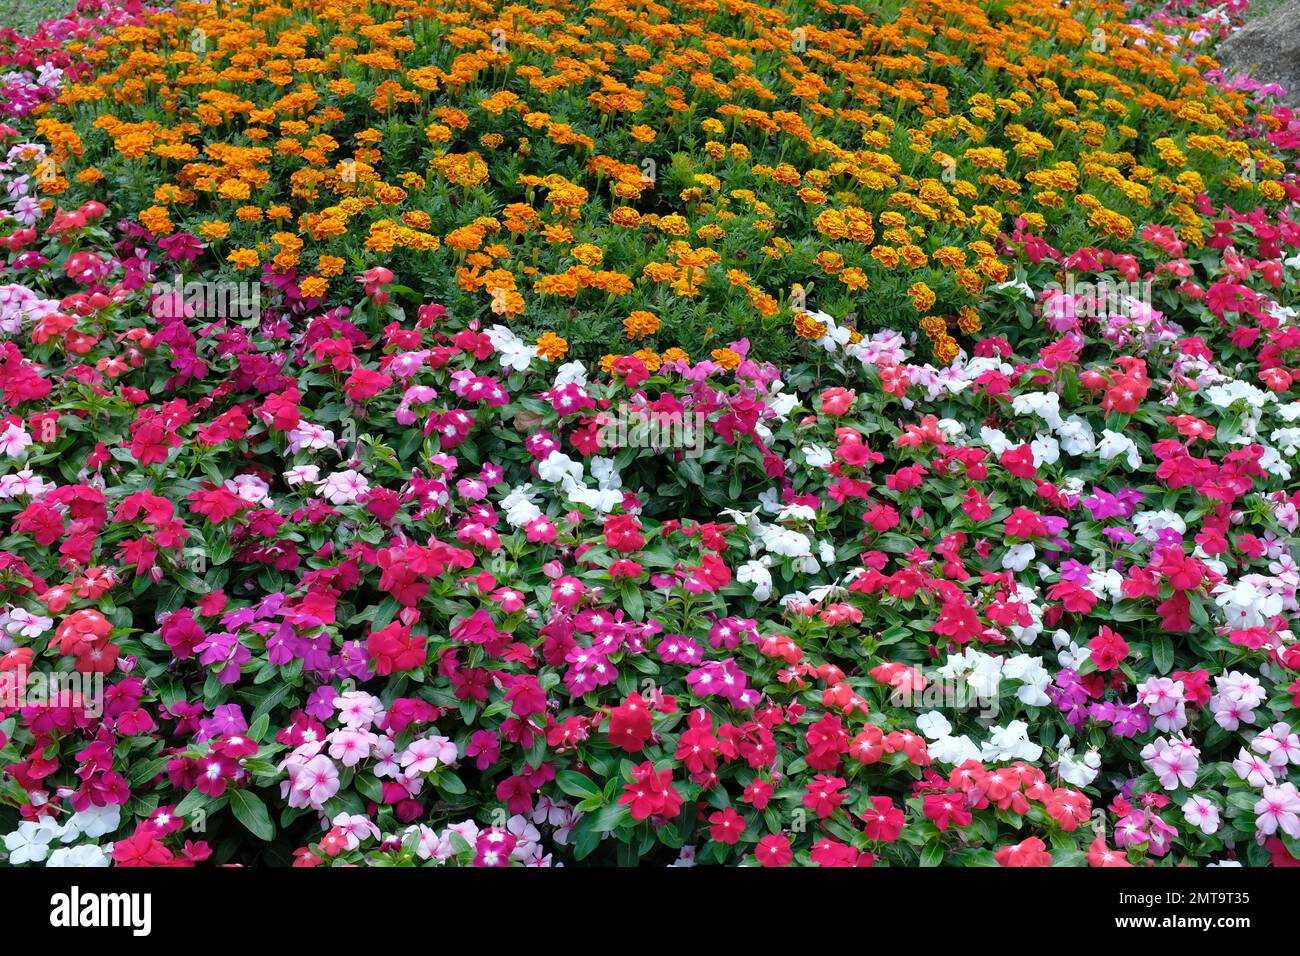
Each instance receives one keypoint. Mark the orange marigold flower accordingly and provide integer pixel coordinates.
(806, 327)
(244, 258)
(933, 326)
(854, 278)
(157, 220)
(922, 297)
(551, 347)
(650, 358)
(727, 358)
(313, 286)
(640, 324)
(830, 262)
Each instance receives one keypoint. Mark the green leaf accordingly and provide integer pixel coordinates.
(370, 787)
(609, 818)
(585, 841)
(1162, 653)
(251, 812)
(448, 782)
(577, 785)
(259, 727)
(633, 602)
(144, 772)
(192, 801)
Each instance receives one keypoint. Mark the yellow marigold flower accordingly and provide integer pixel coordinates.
(914, 256)
(214, 230)
(855, 224)
(993, 269)
(587, 254)
(932, 325)
(675, 355)
(950, 256)
(830, 262)
(970, 280)
(674, 225)
(922, 297)
(1035, 221)
(417, 219)
(463, 169)
(946, 349)
(854, 278)
(650, 358)
(886, 255)
(968, 320)
(625, 216)
(659, 271)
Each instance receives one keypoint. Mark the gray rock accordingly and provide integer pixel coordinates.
(1267, 48)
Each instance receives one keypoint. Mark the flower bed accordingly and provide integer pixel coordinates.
(938, 506)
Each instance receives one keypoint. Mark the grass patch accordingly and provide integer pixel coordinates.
(1262, 8)
(25, 15)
